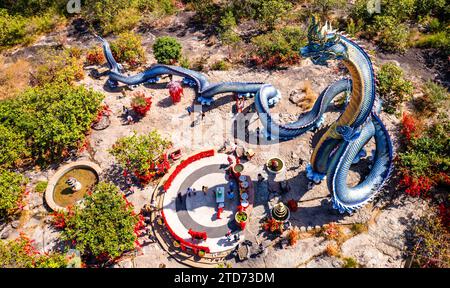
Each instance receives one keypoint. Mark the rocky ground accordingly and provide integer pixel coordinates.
(382, 245)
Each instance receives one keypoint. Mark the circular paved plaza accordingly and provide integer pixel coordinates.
(199, 211)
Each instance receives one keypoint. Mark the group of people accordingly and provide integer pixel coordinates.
(236, 236)
(192, 192)
(146, 233)
(200, 116)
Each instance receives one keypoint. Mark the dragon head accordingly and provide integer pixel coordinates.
(323, 44)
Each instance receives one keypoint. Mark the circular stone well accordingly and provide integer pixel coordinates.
(59, 195)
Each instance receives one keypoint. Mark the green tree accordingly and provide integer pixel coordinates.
(269, 12)
(325, 6)
(53, 119)
(11, 191)
(139, 152)
(228, 36)
(106, 14)
(128, 48)
(167, 50)
(104, 225)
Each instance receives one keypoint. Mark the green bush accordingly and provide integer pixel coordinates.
(20, 253)
(58, 67)
(427, 7)
(432, 99)
(158, 7)
(185, 63)
(12, 29)
(41, 186)
(325, 6)
(230, 38)
(390, 34)
(128, 48)
(401, 9)
(284, 45)
(269, 12)
(227, 21)
(206, 11)
(221, 65)
(53, 119)
(350, 263)
(392, 87)
(427, 154)
(104, 226)
(16, 29)
(167, 50)
(439, 40)
(430, 245)
(11, 191)
(33, 7)
(126, 20)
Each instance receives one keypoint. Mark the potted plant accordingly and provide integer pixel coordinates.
(201, 253)
(241, 218)
(140, 103)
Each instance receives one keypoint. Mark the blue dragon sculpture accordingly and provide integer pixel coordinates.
(341, 145)
(204, 89)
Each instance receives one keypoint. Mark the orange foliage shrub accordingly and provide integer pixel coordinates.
(14, 78)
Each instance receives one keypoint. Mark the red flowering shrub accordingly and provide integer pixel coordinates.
(95, 56)
(273, 226)
(409, 126)
(424, 162)
(293, 236)
(444, 213)
(416, 186)
(292, 205)
(140, 103)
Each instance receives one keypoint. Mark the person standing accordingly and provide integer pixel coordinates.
(258, 131)
(228, 235)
